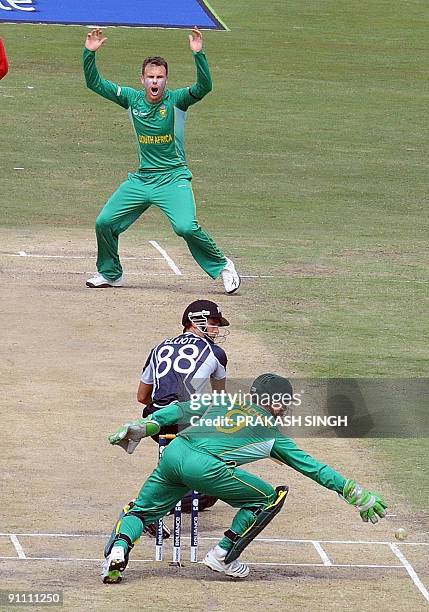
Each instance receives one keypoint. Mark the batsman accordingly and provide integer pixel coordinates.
(207, 456)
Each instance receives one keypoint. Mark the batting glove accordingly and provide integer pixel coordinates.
(129, 435)
(370, 505)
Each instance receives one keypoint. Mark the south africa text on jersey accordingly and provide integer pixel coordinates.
(163, 139)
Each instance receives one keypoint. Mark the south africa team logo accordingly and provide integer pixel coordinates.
(163, 111)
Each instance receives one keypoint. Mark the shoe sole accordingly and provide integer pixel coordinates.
(113, 577)
(114, 572)
(219, 571)
(103, 286)
(236, 289)
(214, 569)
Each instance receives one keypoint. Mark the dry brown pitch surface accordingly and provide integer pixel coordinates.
(71, 361)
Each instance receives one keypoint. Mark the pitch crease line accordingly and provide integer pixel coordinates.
(268, 540)
(103, 535)
(17, 545)
(411, 571)
(166, 256)
(267, 563)
(44, 256)
(322, 553)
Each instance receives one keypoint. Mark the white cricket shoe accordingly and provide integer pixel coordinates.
(114, 565)
(214, 559)
(99, 281)
(230, 277)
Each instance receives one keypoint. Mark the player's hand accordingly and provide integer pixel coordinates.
(95, 39)
(371, 506)
(129, 435)
(196, 40)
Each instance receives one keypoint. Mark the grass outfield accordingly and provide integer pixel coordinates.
(316, 136)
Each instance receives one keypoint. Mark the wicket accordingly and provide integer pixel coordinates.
(177, 521)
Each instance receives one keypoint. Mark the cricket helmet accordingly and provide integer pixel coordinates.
(203, 310)
(199, 312)
(272, 387)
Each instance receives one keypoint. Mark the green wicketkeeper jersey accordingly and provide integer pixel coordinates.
(159, 127)
(244, 433)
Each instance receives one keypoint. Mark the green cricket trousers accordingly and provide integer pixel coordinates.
(172, 193)
(184, 467)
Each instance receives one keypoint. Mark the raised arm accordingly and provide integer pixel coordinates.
(204, 80)
(94, 81)
(190, 95)
(95, 39)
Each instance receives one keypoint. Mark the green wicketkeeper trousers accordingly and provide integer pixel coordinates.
(184, 467)
(172, 193)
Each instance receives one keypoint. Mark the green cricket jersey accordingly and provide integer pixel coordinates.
(244, 433)
(159, 127)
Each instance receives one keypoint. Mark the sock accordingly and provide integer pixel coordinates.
(225, 544)
(122, 544)
(220, 551)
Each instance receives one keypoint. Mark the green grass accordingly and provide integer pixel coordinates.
(406, 467)
(317, 135)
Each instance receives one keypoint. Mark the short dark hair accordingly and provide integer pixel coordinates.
(156, 60)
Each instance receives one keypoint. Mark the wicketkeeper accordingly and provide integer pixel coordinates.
(206, 456)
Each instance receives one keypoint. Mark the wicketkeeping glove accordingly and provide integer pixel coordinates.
(370, 505)
(129, 435)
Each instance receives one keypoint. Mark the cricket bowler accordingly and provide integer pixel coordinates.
(163, 178)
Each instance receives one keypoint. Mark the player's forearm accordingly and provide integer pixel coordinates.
(204, 80)
(287, 452)
(218, 385)
(178, 414)
(92, 76)
(144, 393)
(173, 414)
(93, 80)
(170, 415)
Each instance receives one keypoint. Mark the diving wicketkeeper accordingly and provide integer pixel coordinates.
(206, 455)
